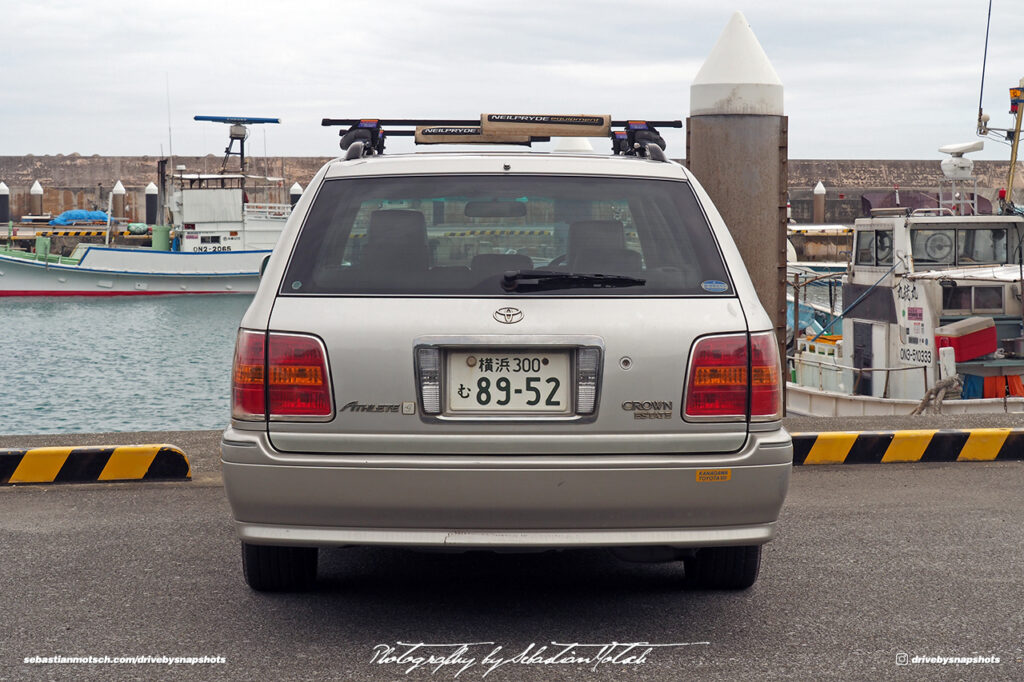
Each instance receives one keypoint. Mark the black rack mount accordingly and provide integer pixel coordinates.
(638, 138)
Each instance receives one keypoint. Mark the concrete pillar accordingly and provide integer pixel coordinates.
(118, 200)
(818, 211)
(151, 201)
(737, 146)
(35, 199)
(294, 193)
(5, 203)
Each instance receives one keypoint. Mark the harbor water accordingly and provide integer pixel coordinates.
(89, 365)
(150, 363)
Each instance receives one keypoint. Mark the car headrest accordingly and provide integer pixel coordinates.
(395, 225)
(606, 234)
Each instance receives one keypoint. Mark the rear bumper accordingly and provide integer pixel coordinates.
(505, 501)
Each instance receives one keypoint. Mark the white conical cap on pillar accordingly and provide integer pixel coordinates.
(4, 189)
(819, 188)
(295, 189)
(578, 145)
(36, 188)
(118, 188)
(151, 189)
(737, 77)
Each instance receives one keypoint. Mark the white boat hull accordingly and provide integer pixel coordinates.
(124, 272)
(812, 402)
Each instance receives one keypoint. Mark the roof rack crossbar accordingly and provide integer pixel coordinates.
(461, 122)
(401, 121)
(640, 137)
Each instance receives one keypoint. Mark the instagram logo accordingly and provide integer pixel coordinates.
(902, 659)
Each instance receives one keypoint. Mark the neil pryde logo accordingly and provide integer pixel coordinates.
(356, 406)
(446, 130)
(508, 315)
(649, 409)
(564, 120)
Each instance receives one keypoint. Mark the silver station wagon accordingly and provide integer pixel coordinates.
(516, 351)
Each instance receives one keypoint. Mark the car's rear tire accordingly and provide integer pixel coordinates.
(278, 569)
(723, 568)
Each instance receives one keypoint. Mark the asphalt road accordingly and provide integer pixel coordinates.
(872, 561)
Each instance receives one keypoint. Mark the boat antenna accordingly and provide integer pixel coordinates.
(239, 132)
(170, 147)
(982, 128)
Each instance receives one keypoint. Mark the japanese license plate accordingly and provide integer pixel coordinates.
(509, 381)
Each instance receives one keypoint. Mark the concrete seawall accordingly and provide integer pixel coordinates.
(75, 181)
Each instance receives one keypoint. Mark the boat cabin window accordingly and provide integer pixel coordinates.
(865, 248)
(964, 300)
(933, 247)
(981, 246)
(874, 247)
(883, 247)
(988, 299)
(956, 299)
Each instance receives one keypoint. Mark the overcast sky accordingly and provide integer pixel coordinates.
(866, 79)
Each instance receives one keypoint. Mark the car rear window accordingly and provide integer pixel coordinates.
(471, 235)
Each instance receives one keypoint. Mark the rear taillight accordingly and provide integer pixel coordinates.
(717, 388)
(765, 383)
(248, 394)
(734, 377)
(281, 377)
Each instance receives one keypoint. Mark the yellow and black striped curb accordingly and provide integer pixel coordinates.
(79, 233)
(883, 447)
(496, 233)
(93, 464)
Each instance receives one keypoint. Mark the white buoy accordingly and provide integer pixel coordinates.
(737, 147)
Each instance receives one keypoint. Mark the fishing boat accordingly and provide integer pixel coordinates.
(818, 249)
(216, 242)
(933, 316)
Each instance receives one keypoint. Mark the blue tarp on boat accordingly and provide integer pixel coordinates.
(79, 216)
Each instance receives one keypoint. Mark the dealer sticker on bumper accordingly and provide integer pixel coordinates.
(713, 475)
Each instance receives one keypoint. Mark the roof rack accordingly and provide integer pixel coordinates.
(366, 136)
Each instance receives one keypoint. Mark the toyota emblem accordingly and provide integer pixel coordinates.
(508, 315)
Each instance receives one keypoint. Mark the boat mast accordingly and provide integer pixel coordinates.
(984, 60)
(1016, 105)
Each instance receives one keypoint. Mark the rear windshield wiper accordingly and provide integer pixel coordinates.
(537, 280)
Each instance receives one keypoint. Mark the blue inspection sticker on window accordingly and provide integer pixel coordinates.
(714, 286)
